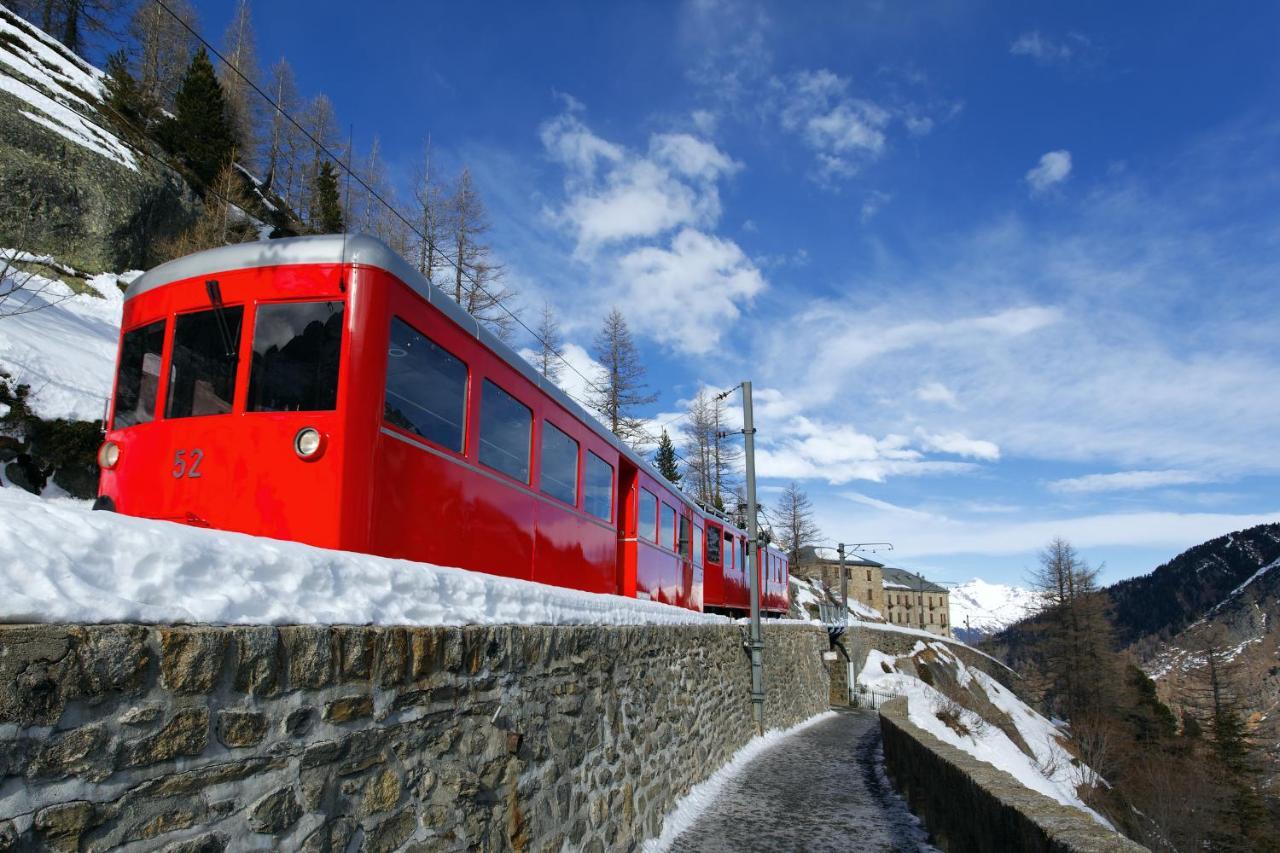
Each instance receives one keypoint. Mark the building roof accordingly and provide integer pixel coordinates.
(809, 556)
(895, 578)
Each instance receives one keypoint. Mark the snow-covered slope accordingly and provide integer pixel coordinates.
(61, 91)
(1008, 734)
(979, 608)
(60, 562)
(61, 343)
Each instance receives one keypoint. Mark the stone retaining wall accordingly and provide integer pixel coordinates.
(334, 738)
(969, 805)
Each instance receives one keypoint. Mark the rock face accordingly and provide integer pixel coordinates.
(72, 188)
(310, 737)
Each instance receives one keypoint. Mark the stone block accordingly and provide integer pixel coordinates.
(330, 837)
(212, 843)
(357, 647)
(186, 733)
(238, 729)
(381, 792)
(62, 825)
(140, 715)
(275, 813)
(426, 652)
(258, 665)
(111, 658)
(392, 658)
(72, 753)
(191, 658)
(194, 781)
(348, 708)
(298, 722)
(35, 661)
(310, 655)
(8, 836)
(391, 833)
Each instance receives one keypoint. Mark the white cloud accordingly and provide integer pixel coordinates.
(843, 131)
(1053, 168)
(576, 378)
(1124, 481)
(959, 444)
(872, 204)
(1074, 48)
(936, 392)
(687, 294)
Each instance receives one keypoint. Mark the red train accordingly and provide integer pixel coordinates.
(319, 389)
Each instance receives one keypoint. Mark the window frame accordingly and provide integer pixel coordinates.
(166, 329)
(640, 503)
(528, 480)
(542, 467)
(663, 510)
(466, 395)
(343, 345)
(684, 535)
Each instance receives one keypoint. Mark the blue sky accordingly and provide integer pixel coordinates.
(999, 272)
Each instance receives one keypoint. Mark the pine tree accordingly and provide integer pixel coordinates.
(326, 212)
(665, 459)
(620, 386)
(796, 527)
(126, 103)
(549, 343)
(200, 131)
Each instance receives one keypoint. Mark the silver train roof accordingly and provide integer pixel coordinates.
(369, 251)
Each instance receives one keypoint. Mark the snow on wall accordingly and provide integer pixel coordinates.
(61, 343)
(59, 87)
(60, 562)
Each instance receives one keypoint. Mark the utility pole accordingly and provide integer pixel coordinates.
(755, 642)
(844, 587)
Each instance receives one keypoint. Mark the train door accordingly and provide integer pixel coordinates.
(625, 499)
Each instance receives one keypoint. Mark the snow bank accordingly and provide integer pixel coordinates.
(61, 343)
(692, 805)
(1051, 772)
(60, 562)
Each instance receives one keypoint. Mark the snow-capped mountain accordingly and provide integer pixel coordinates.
(979, 608)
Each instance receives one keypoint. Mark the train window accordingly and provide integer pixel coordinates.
(296, 348)
(202, 371)
(667, 530)
(728, 550)
(426, 387)
(559, 464)
(686, 536)
(713, 545)
(505, 423)
(597, 497)
(648, 516)
(698, 535)
(138, 379)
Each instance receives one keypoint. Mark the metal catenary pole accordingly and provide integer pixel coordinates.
(756, 642)
(844, 588)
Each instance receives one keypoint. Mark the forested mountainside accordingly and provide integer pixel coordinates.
(1190, 585)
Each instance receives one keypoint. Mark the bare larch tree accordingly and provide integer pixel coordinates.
(794, 519)
(620, 387)
(549, 345)
(477, 280)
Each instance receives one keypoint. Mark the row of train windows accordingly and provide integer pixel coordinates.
(427, 395)
(296, 350)
(667, 528)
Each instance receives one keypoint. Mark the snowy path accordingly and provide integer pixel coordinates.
(818, 790)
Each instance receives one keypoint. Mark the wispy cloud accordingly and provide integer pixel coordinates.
(1050, 51)
(1053, 168)
(1126, 481)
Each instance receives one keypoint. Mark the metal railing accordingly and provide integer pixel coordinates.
(861, 697)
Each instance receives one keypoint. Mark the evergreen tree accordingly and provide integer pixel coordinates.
(665, 459)
(127, 105)
(620, 387)
(326, 212)
(200, 132)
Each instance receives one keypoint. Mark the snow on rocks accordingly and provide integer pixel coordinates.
(60, 562)
(61, 343)
(1053, 771)
(58, 86)
(989, 607)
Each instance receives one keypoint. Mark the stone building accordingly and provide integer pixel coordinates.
(915, 602)
(866, 584)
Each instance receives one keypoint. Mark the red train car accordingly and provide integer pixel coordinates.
(319, 389)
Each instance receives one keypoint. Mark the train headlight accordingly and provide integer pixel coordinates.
(307, 442)
(108, 455)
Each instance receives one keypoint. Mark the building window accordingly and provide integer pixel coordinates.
(648, 516)
(598, 488)
(296, 350)
(426, 387)
(505, 424)
(202, 371)
(139, 377)
(559, 464)
(868, 576)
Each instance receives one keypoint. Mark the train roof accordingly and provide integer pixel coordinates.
(365, 250)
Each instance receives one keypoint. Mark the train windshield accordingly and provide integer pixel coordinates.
(202, 374)
(296, 350)
(138, 379)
